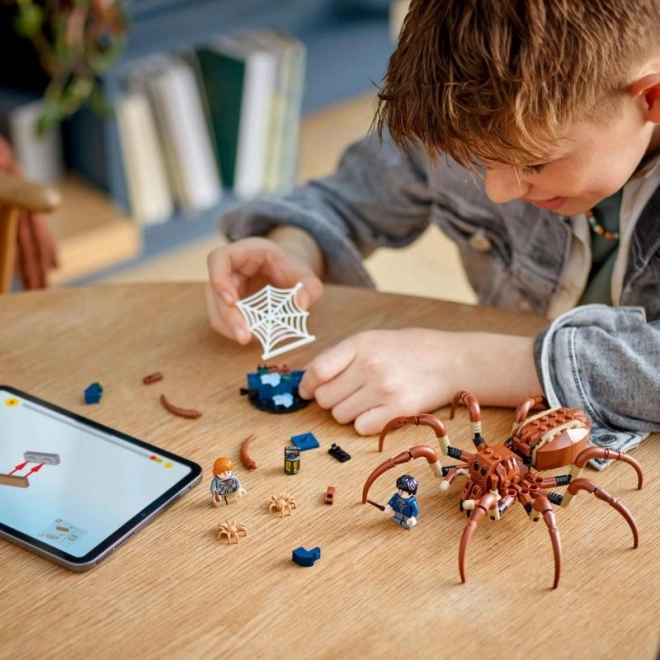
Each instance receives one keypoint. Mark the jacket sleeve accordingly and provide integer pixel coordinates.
(605, 360)
(378, 197)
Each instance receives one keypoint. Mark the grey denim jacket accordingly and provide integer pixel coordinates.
(605, 360)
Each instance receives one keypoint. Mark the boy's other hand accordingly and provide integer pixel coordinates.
(243, 268)
(375, 376)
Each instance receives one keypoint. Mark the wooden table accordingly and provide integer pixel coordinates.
(378, 591)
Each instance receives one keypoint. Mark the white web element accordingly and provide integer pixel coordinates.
(273, 317)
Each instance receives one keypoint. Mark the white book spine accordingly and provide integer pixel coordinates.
(40, 156)
(185, 133)
(148, 189)
(258, 90)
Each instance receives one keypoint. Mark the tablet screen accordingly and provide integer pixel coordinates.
(75, 486)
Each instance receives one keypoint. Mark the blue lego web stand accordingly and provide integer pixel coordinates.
(93, 393)
(274, 390)
(304, 557)
(305, 441)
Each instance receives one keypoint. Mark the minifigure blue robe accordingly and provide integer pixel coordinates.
(403, 508)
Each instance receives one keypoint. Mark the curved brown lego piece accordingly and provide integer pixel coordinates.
(248, 463)
(525, 406)
(601, 452)
(475, 414)
(421, 451)
(153, 378)
(181, 412)
(487, 502)
(468, 400)
(395, 423)
(418, 420)
(544, 508)
(586, 484)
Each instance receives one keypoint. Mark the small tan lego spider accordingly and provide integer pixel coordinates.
(230, 530)
(283, 503)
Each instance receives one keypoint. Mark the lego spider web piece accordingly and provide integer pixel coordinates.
(273, 316)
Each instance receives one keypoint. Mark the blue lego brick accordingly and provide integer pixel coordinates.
(93, 393)
(305, 441)
(304, 557)
(280, 398)
(254, 381)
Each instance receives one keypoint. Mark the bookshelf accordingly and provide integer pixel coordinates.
(92, 234)
(346, 54)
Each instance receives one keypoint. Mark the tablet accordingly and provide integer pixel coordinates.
(73, 490)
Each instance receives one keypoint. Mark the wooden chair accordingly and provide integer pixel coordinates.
(18, 195)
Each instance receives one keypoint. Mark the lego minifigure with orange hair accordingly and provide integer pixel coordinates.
(225, 484)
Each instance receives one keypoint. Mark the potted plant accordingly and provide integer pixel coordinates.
(76, 41)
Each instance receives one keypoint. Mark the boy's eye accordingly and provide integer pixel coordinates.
(532, 169)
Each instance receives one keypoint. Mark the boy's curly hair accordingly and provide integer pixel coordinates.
(499, 80)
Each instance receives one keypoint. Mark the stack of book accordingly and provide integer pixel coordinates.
(224, 116)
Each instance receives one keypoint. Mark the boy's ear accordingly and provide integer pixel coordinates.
(648, 87)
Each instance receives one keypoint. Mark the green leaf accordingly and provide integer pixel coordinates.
(101, 60)
(53, 113)
(29, 20)
(97, 101)
(75, 94)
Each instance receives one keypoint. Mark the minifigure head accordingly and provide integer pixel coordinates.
(221, 465)
(555, 103)
(407, 484)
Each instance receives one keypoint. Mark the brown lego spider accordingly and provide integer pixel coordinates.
(501, 474)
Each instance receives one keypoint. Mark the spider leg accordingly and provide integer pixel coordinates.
(450, 473)
(419, 420)
(421, 451)
(487, 502)
(591, 487)
(542, 507)
(601, 452)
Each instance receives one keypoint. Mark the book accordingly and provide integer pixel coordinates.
(184, 133)
(40, 156)
(287, 163)
(239, 77)
(282, 143)
(223, 77)
(148, 188)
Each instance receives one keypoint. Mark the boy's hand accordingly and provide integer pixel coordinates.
(377, 375)
(244, 267)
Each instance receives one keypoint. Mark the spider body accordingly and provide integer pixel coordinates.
(493, 466)
(503, 474)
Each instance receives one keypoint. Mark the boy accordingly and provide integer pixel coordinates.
(530, 133)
